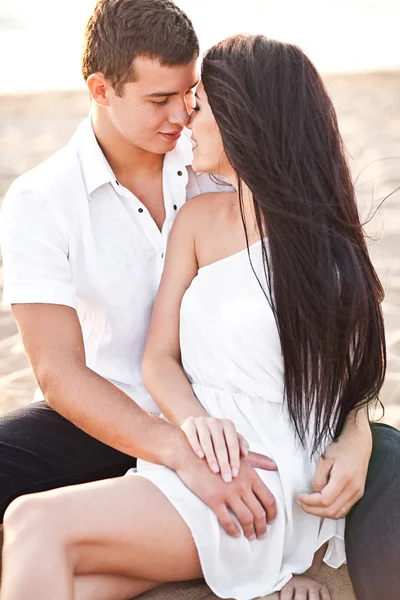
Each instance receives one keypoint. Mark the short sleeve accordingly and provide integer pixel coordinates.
(34, 245)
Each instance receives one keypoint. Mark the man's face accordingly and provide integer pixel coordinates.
(153, 110)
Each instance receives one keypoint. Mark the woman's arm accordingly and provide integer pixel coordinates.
(163, 374)
(215, 439)
(340, 475)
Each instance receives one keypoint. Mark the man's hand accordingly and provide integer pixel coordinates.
(259, 461)
(247, 497)
(339, 479)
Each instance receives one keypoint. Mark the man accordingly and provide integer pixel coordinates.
(83, 239)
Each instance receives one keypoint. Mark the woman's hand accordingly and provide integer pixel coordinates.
(339, 479)
(218, 442)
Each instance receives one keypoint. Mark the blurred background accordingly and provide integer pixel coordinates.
(354, 43)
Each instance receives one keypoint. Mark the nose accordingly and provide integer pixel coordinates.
(181, 115)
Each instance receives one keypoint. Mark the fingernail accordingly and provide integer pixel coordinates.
(252, 537)
(215, 468)
(235, 472)
(227, 477)
(200, 454)
(263, 536)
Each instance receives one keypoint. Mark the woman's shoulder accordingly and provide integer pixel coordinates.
(203, 215)
(207, 206)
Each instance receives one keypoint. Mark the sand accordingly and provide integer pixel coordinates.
(32, 127)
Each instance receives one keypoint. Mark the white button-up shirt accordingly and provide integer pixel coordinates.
(72, 235)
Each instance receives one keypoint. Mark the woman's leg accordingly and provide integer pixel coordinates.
(109, 587)
(122, 527)
(373, 526)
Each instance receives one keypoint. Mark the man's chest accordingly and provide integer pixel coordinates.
(152, 195)
(116, 255)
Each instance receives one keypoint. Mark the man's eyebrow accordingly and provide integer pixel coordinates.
(168, 94)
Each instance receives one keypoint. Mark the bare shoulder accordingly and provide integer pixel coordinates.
(206, 207)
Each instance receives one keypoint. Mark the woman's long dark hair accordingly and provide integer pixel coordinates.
(280, 134)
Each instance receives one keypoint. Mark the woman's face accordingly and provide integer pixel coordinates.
(208, 153)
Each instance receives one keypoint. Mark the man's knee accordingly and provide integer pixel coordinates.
(383, 479)
(384, 464)
(386, 439)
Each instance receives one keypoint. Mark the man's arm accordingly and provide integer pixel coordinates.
(53, 341)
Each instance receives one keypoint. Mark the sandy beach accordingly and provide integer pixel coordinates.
(32, 127)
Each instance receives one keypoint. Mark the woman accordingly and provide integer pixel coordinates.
(271, 304)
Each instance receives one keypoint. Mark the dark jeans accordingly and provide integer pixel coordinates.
(373, 526)
(41, 450)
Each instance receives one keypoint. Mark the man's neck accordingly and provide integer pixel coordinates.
(125, 159)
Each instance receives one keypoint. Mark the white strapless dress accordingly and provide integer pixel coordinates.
(231, 353)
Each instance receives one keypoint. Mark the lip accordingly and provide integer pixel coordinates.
(173, 136)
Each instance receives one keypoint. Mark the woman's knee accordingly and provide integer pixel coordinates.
(33, 516)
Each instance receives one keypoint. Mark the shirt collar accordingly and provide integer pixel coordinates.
(96, 170)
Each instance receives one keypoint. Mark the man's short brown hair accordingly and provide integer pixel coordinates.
(118, 31)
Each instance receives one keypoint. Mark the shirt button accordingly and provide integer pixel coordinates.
(140, 210)
(180, 173)
(117, 182)
(175, 207)
(162, 255)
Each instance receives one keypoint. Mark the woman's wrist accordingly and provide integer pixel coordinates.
(357, 421)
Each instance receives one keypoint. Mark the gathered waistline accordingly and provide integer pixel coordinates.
(198, 385)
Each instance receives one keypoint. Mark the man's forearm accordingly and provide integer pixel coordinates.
(106, 413)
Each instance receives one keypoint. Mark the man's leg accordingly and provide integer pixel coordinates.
(40, 450)
(373, 526)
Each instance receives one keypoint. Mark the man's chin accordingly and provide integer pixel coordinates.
(164, 146)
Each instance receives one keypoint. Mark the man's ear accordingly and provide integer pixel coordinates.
(99, 88)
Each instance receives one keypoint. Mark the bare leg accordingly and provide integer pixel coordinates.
(109, 587)
(317, 562)
(123, 527)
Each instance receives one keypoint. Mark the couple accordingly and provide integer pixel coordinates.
(266, 337)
